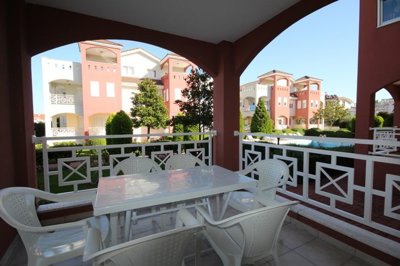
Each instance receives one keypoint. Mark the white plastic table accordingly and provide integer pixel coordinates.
(129, 192)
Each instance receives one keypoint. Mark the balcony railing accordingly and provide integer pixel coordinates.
(334, 178)
(390, 134)
(65, 131)
(65, 99)
(79, 167)
(97, 131)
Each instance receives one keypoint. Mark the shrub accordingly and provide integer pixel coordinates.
(108, 128)
(378, 121)
(96, 142)
(192, 128)
(388, 121)
(121, 124)
(312, 132)
(345, 124)
(40, 130)
(353, 125)
(178, 128)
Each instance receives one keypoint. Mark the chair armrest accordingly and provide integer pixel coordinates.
(85, 195)
(49, 228)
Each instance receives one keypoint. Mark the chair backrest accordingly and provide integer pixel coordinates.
(271, 173)
(183, 161)
(161, 249)
(254, 233)
(17, 207)
(135, 165)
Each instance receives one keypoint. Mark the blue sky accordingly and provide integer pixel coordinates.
(322, 45)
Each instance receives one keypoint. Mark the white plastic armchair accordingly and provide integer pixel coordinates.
(183, 161)
(272, 173)
(246, 237)
(135, 165)
(46, 245)
(161, 249)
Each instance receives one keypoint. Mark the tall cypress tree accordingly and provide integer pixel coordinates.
(261, 121)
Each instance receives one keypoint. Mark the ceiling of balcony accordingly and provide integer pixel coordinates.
(207, 20)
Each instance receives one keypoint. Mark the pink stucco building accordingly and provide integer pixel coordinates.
(291, 103)
(78, 97)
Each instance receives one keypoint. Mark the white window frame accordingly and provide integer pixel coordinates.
(110, 89)
(94, 88)
(298, 104)
(380, 21)
(304, 104)
(279, 101)
(285, 101)
(177, 94)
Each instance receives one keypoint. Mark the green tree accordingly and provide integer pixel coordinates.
(241, 122)
(148, 107)
(40, 130)
(198, 106)
(332, 112)
(261, 121)
(121, 124)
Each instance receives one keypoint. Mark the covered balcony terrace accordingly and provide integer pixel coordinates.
(223, 46)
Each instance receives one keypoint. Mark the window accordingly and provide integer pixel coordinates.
(304, 104)
(284, 101)
(177, 94)
(298, 104)
(279, 101)
(110, 89)
(128, 71)
(311, 103)
(388, 11)
(94, 88)
(316, 104)
(166, 92)
(291, 106)
(151, 73)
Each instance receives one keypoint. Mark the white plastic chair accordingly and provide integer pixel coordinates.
(135, 165)
(46, 245)
(183, 161)
(161, 249)
(272, 173)
(246, 237)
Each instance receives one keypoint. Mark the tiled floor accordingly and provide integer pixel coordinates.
(298, 246)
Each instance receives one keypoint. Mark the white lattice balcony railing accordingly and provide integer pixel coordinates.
(333, 177)
(389, 134)
(73, 168)
(65, 131)
(97, 131)
(65, 99)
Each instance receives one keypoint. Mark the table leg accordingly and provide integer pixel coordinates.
(225, 206)
(127, 225)
(114, 228)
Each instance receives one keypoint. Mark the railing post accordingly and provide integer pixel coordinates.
(46, 169)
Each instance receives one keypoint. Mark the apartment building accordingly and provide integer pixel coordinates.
(291, 103)
(78, 97)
